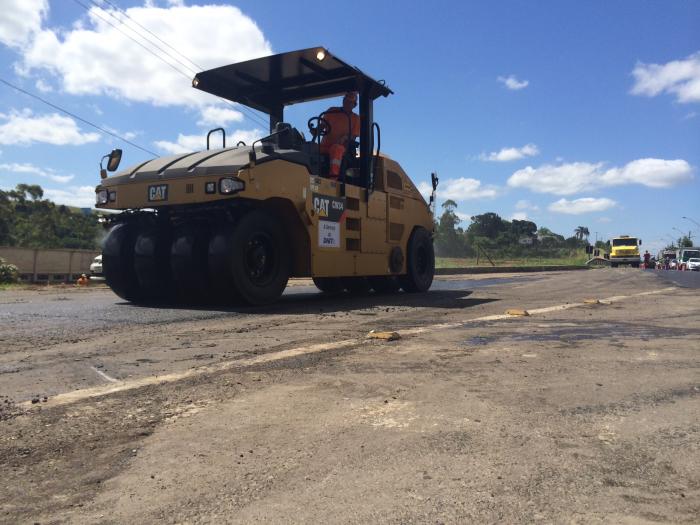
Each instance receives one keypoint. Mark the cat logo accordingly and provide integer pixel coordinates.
(327, 207)
(158, 193)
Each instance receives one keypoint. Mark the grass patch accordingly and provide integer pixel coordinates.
(455, 262)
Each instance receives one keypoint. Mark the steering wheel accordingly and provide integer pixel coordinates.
(321, 129)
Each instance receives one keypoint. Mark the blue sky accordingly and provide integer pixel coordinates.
(567, 113)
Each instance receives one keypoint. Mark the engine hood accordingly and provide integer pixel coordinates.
(206, 163)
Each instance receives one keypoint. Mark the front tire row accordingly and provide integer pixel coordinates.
(149, 264)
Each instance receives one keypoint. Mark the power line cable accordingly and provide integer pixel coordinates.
(111, 14)
(133, 39)
(253, 116)
(81, 119)
(122, 11)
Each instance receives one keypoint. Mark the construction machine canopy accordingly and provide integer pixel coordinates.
(270, 83)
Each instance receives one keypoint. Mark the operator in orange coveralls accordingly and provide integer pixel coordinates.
(336, 142)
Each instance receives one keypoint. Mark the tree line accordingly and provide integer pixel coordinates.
(501, 238)
(28, 220)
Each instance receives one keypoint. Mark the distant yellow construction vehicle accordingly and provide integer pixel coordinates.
(624, 250)
(235, 223)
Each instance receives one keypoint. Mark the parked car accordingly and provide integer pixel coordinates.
(96, 267)
(694, 264)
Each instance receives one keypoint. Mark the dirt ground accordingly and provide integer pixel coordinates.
(579, 412)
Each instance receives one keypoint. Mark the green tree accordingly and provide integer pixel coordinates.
(487, 225)
(28, 220)
(581, 232)
(449, 238)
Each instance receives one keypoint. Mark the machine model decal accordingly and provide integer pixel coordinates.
(329, 208)
(328, 234)
(158, 192)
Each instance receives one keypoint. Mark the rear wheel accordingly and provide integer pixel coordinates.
(189, 262)
(420, 262)
(329, 284)
(118, 261)
(260, 260)
(613, 265)
(385, 284)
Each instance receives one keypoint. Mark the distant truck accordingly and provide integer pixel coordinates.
(624, 250)
(684, 254)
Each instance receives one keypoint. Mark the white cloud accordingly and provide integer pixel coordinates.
(23, 128)
(465, 217)
(218, 116)
(512, 83)
(80, 196)
(20, 20)
(519, 216)
(509, 154)
(567, 179)
(30, 169)
(581, 206)
(43, 86)
(128, 135)
(458, 190)
(604, 220)
(678, 77)
(95, 58)
(655, 173)
(462, 189)
(526, 205)
(189, 143)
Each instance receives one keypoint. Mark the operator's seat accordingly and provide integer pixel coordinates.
(284, 136)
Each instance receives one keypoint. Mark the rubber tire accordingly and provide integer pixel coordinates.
(221, 266)
(260, 223)
(420, 262)
(152, 264)
(613, 265)
(635, 265)
(385, 284)
(356, 285)
(118, 262)
(329, 285)
(189, 263)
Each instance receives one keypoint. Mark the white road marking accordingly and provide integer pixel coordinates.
(104, 376)
(120, 386)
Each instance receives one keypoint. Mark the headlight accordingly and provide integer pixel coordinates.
(230, 185)
(102, 197)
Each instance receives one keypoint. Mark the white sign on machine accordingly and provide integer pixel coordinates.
(331, 213)
(328, 234)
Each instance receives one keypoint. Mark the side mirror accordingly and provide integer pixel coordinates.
(434, 180)
(115, 157)
(640, 242)
(113, 160)
(252, 158)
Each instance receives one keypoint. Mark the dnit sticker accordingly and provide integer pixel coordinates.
(328, 234)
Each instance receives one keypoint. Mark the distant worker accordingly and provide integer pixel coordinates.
(335, 144)
(646, 259)
(83, 280)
